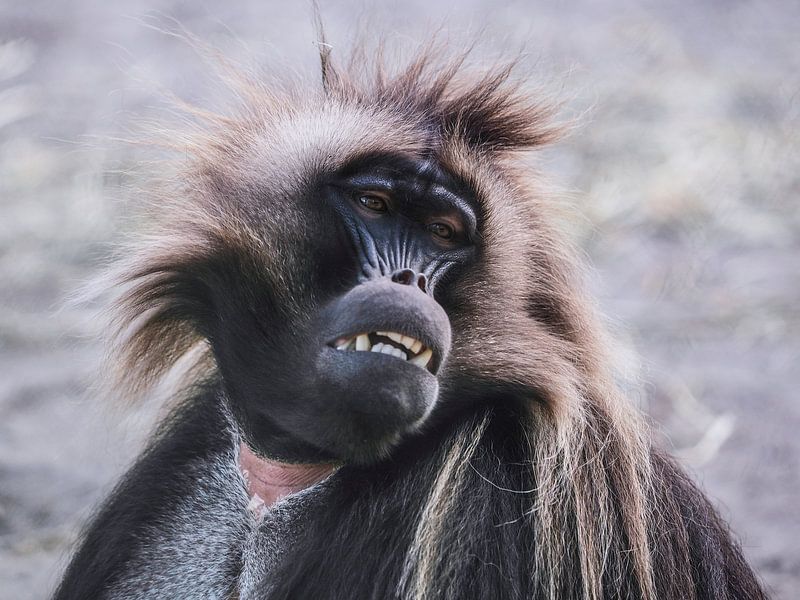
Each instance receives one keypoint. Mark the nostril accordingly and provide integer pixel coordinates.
(411, 277)
(404, 277)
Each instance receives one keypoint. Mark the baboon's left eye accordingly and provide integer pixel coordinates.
(373, 203)
(442, 230)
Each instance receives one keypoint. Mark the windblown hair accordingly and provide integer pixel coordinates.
(546, 483)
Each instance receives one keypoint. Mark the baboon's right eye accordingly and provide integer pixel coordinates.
(373, 202)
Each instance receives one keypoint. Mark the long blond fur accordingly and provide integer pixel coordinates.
(525, 320)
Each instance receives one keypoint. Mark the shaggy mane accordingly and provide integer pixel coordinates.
(602, 514)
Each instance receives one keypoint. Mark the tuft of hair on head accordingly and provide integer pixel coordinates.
(489, 109)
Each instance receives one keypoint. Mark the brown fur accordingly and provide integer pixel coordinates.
(602, 509)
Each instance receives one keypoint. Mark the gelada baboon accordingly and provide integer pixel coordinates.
(399, 389)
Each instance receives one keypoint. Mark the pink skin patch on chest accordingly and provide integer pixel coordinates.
(270, 480)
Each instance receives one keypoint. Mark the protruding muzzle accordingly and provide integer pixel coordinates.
(393, 316)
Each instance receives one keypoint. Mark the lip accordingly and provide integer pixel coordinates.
(376, 361)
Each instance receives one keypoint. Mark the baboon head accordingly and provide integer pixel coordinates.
(359, 260)
(336, 348)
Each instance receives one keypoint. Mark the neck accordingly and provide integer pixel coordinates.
(270, 480)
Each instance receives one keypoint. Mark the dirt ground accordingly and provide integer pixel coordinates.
(685, 171)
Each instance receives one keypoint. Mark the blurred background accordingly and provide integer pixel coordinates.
(685, 171)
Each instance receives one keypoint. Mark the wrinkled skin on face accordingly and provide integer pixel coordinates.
(349, 366)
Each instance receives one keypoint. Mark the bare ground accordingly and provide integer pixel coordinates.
(685, 171)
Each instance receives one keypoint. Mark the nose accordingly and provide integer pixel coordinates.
(411, 277)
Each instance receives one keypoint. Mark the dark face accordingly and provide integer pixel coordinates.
(341, 360)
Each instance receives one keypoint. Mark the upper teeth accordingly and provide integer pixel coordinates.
(414, 352)
(362, 342)
(407, 341)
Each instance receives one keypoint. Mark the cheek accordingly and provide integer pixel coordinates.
(332, 263)
(453, 291)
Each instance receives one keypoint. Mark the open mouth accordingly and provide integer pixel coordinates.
(391, 343)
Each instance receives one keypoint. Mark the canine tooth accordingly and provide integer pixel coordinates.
(423, 359)
(407, 341)
(416, 346)
(362, 342)
(394, 336)
(378, 347)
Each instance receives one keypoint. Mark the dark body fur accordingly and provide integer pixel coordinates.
(351, 534)
(531, 476)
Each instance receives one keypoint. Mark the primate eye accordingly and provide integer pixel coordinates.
(373, 203)
(441, 230)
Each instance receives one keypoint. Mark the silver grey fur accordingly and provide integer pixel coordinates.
(190, 557)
